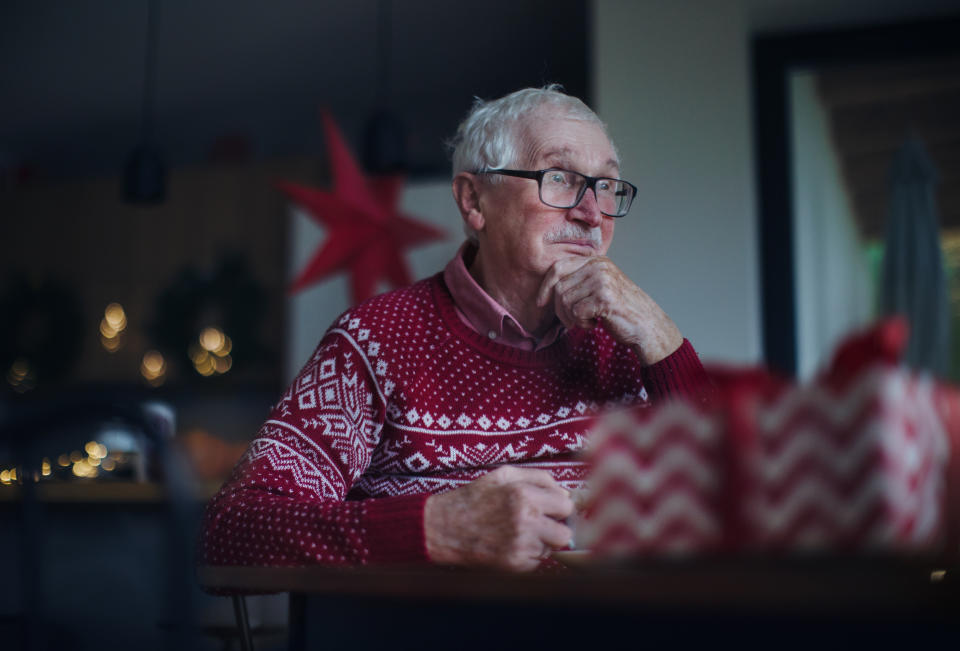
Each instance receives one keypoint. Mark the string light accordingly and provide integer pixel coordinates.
(94, 449)
(153, 368)
(115, 317)
(85, 469)
(111, 345)
(112, 325)
(224, 349)
(212, 339)
(97, 458)
(20, 376)
(212, 355)
(222, 364)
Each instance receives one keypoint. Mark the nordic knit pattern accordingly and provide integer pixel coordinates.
(401, 400)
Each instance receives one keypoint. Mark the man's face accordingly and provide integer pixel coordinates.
(524, 235)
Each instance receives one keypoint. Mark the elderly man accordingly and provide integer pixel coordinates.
(440, 422)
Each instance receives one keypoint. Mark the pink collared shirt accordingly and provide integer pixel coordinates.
(483, 314)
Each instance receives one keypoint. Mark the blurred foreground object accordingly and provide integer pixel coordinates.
(914, 283)
(863, 459)
(210, 457)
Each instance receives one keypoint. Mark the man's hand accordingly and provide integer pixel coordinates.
(587, 290)
(507, 519)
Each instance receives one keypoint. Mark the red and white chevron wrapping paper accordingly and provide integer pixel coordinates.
(864, 458)
(656, 485)
(863, 468)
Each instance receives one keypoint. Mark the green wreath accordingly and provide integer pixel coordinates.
(229, 298)
(41, 333)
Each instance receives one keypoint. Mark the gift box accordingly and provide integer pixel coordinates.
(862, 459)
(656, 483)
(862, 468)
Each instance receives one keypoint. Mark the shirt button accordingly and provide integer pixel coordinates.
(492, 334)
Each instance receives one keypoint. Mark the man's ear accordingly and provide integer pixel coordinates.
(466, 192)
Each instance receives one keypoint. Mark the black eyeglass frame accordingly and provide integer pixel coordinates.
(537, 175)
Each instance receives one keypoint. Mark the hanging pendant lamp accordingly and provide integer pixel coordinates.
(385, 141)
(145, 174)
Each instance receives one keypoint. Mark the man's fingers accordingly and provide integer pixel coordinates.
(555, 534)
(545, 494)
(554, 504)
(579, 296)
(560, 269)
(546, 286)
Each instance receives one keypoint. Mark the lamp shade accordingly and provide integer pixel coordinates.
(384, 145)
(144, 176)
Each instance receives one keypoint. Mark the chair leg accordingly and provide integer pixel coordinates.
(243, 622)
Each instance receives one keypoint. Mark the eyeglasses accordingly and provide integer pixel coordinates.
(561, 188)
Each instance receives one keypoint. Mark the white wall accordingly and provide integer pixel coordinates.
(670, 79)
(833, 284)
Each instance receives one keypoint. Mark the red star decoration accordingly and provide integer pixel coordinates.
(367, 234)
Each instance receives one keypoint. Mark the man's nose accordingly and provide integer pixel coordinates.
(587, 211)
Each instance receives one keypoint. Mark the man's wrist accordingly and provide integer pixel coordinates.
(653, 352)
(434, 522)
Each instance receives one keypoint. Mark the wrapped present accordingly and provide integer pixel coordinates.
(860, 468)
(863, 458)
(656, 483)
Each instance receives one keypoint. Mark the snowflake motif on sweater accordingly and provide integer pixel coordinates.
(402, 400)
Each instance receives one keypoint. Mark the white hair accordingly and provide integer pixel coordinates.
(490, 137)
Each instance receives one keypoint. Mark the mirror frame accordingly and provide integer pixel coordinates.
(773, 57)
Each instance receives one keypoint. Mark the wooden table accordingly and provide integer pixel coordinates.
(686, 603)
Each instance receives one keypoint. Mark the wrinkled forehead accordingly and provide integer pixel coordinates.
(550, 137)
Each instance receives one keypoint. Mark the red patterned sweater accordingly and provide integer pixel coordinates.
(401, 400)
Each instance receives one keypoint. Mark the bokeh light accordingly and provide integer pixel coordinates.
(111, 344)
(222, 364)
(85, 469)
(153, 368)
(212, 339)
(224, 348)
(94, 449)
(21, 376)
(112, 325)
(115, 317)
(212, 356)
